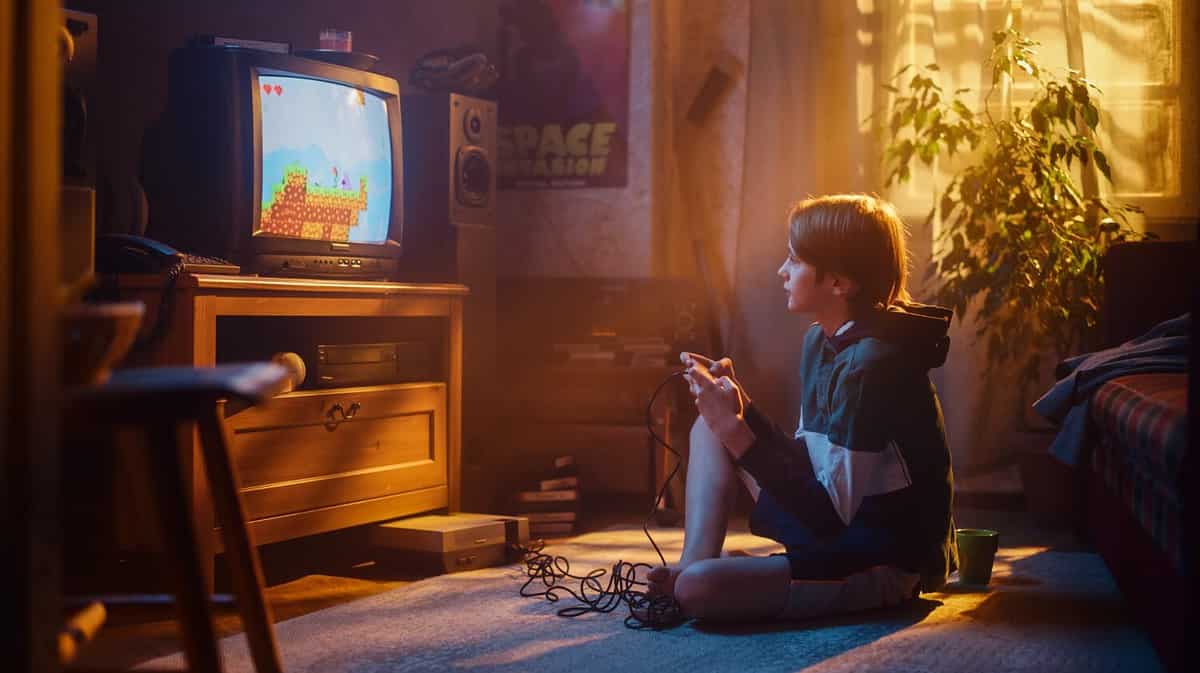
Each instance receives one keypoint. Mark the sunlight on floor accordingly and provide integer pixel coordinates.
(529, 650)
(1008, 555)
(957, 599)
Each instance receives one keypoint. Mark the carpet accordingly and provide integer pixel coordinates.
(1045, 611)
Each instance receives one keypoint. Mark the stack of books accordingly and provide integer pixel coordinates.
(552, 504)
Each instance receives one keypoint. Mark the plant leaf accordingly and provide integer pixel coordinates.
(928, 151)
(1079, 91)
(1017, 238)
(1001, 67)
(1102, 164)
(1040, 124)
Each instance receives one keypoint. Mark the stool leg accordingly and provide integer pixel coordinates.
(183, 553)
(239, 547)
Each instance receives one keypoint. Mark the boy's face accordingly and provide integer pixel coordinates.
(806, 294)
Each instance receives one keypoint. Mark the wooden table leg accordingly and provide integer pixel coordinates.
(669, 510)
(239, 547)
(669, 461)
(179, 538)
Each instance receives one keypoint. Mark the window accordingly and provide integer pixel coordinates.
(1133, 50)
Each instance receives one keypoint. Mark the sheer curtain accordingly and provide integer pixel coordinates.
(812, 68)
(785, 124)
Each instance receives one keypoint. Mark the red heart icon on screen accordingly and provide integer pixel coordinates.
(267, 89)
(278, 90)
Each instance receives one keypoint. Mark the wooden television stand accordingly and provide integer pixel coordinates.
(317, 459)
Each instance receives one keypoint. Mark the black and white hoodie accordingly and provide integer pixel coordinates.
(869, 463)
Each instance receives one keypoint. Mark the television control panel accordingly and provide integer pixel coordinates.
(325, 266)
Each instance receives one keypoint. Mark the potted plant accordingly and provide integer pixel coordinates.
(1020, 230)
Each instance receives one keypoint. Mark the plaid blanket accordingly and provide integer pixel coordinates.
(1141, 421)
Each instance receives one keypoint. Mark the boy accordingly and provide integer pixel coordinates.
(860, 494)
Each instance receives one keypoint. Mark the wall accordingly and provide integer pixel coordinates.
(596, 231)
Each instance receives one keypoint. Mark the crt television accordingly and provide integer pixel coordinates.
(281, 164)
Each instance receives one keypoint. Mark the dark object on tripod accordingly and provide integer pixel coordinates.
(462, 70)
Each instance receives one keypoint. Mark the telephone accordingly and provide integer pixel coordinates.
(126, 253)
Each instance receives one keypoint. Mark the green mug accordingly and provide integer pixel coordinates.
(976, 550)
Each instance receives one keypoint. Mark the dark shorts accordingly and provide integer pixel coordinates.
(856, 548)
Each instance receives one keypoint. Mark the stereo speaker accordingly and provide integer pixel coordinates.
(449, 183)
(449, 232)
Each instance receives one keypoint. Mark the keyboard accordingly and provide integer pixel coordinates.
(202, 264)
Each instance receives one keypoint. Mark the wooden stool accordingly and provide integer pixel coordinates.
(159, 399)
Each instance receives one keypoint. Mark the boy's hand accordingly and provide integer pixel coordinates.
(722, 367)
(718, 369)
(720, 400)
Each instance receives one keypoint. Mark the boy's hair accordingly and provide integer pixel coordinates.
(855, 235)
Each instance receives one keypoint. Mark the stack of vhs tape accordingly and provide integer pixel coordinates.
(552, 504)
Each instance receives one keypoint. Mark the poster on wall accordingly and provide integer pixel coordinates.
(563, 94)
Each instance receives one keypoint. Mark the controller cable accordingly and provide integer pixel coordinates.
(593, 594)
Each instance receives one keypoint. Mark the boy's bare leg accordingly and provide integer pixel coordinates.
(735, 589)
(706, 586)
(711, 487)
(711, 484)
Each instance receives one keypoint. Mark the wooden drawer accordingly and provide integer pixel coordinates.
(312, 449)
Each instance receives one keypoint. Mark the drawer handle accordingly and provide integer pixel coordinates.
(338, 415)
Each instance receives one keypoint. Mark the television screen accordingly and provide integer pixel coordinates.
(326, 161)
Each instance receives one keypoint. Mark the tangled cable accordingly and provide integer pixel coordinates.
(594, 594)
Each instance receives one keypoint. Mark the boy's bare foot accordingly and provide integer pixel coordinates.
(661, 580)
(660, 608)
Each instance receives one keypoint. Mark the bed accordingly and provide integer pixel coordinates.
(1138, 462)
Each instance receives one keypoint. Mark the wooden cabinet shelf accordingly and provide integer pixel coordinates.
(314, 460)
(318, 449)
